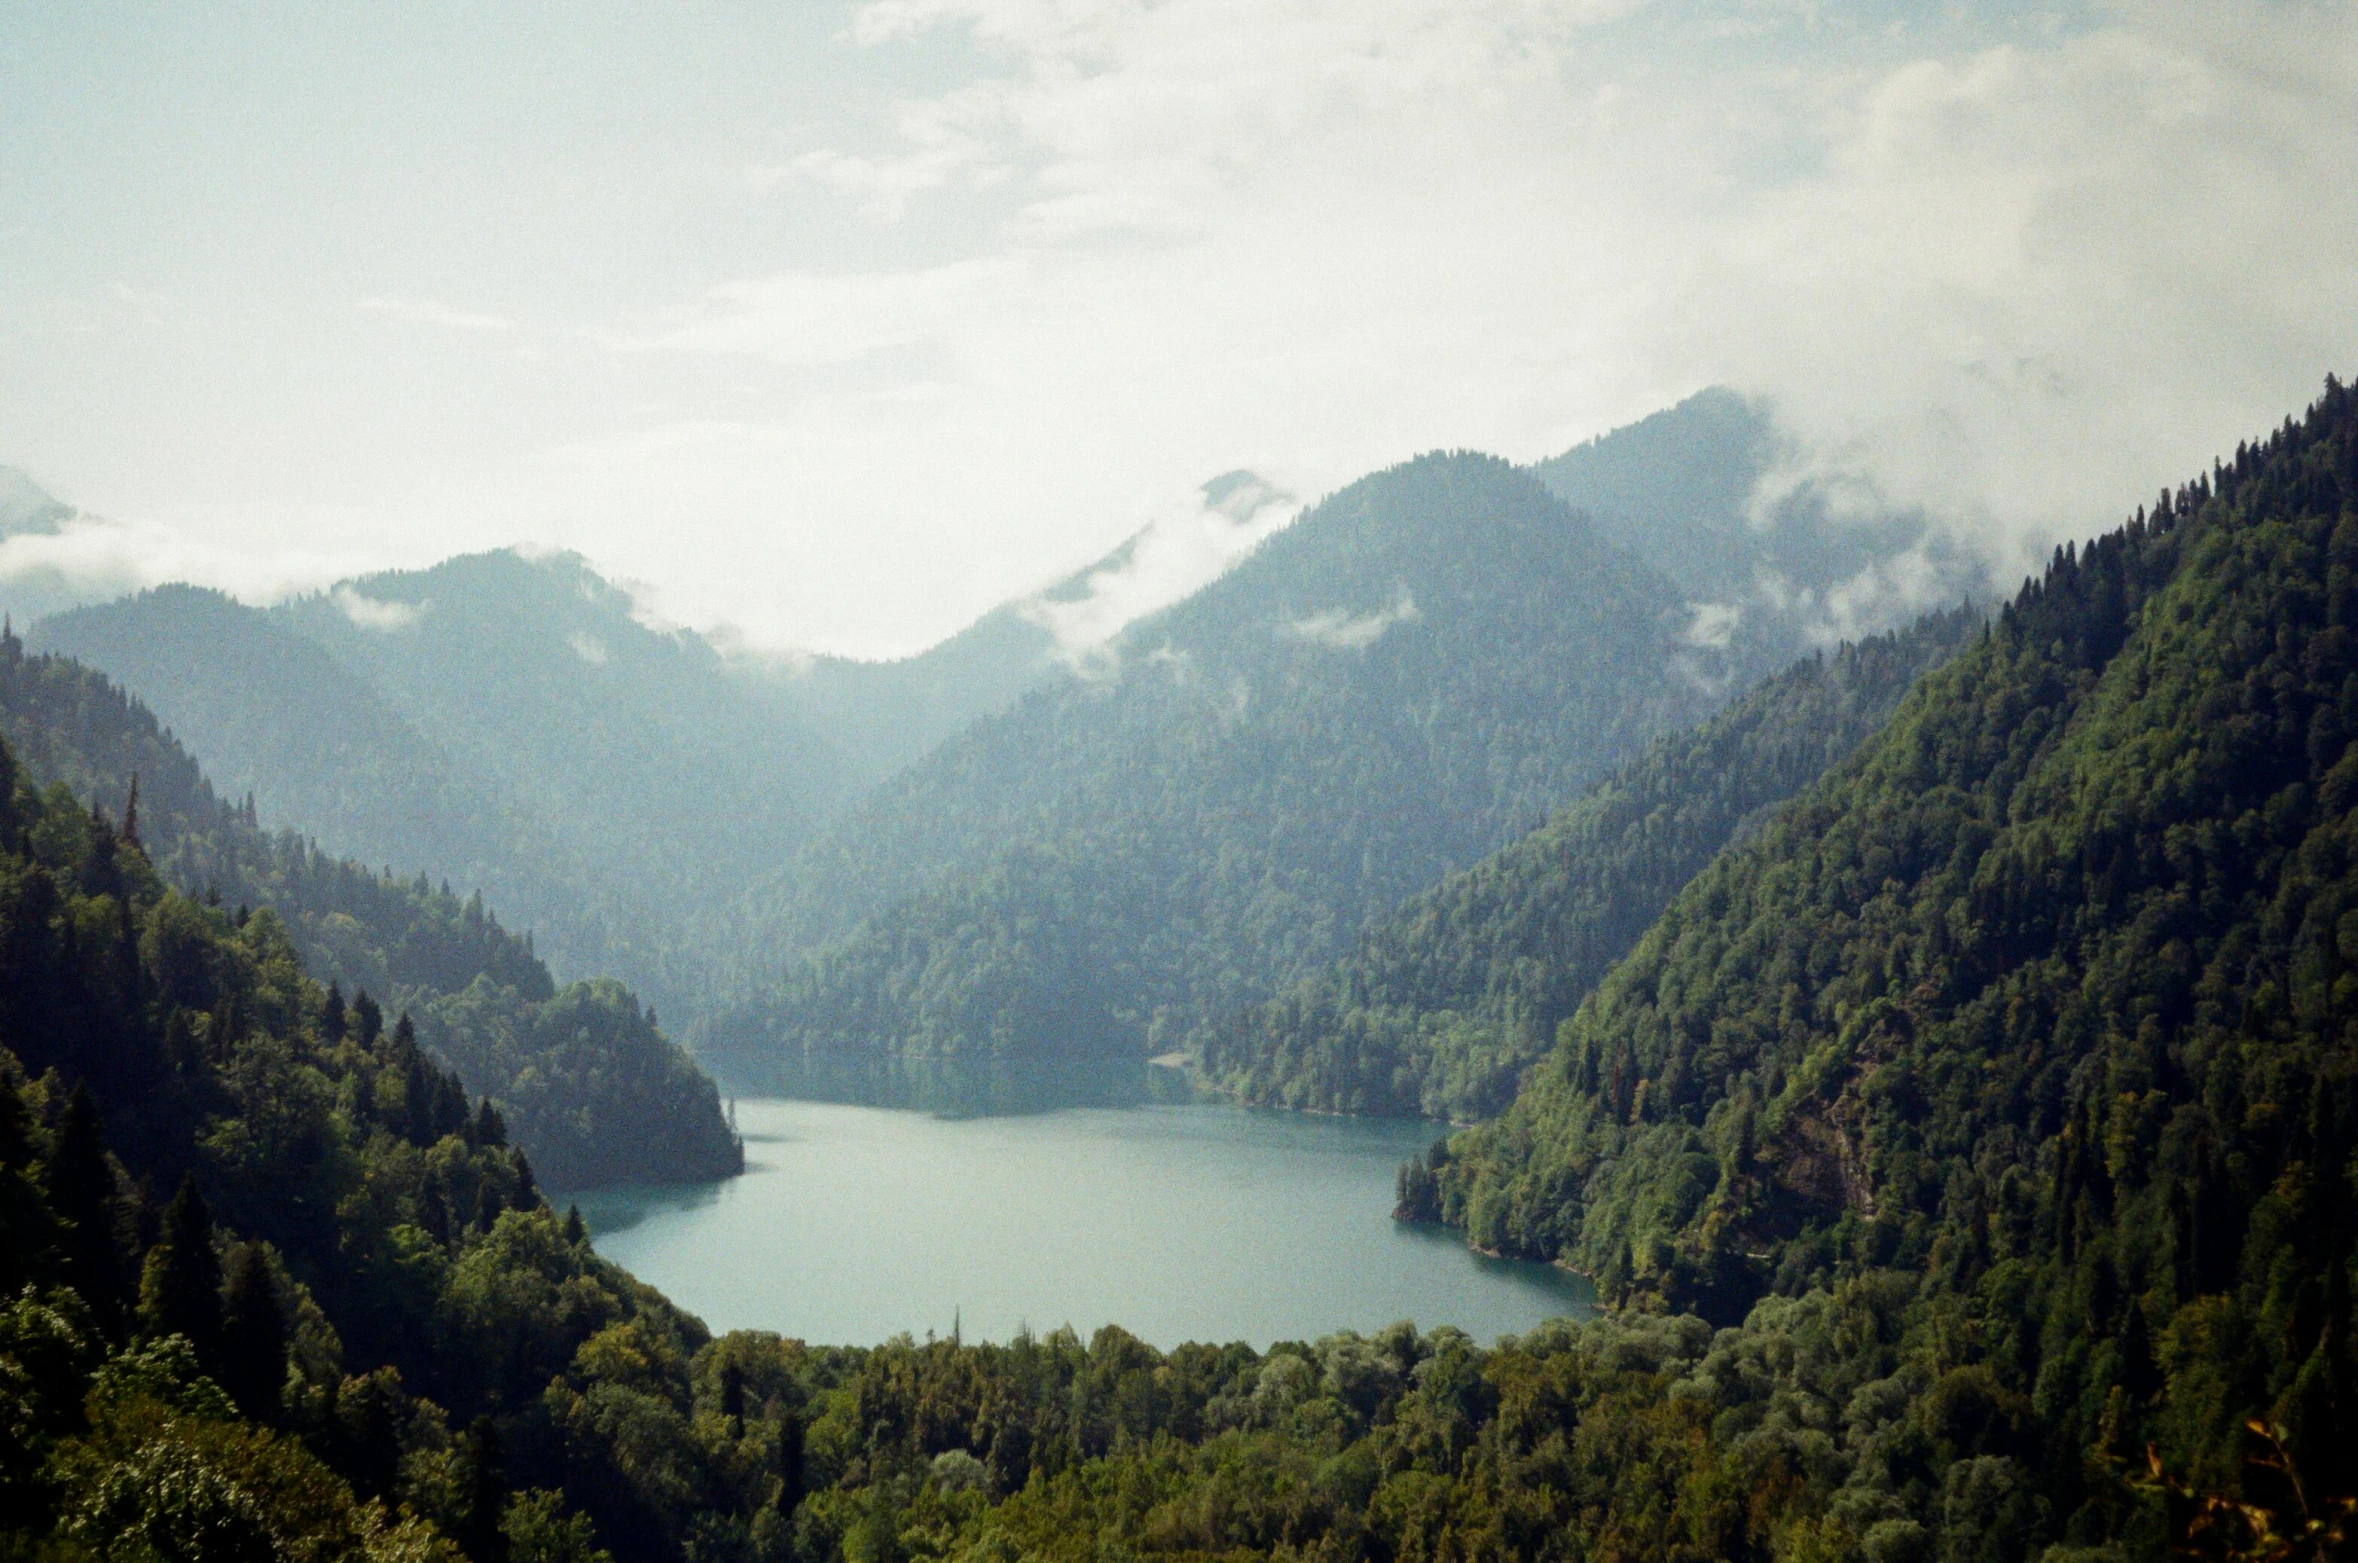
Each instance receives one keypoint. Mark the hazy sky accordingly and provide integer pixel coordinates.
(842, 322)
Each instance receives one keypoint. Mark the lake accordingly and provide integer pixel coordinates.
(1198, 1222)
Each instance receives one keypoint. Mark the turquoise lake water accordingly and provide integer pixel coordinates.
(853, 1224)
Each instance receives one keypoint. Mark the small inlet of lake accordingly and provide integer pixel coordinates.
(1199, 1222)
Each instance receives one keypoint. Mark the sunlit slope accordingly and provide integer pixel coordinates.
(1442, 1005)
(1421, 667)
(591, 1090)
(2046, 991)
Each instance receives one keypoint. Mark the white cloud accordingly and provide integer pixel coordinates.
(1711, 626)
(2014, 281)
(1344, 630)
(2027, 286)
(426, 312)
(372, 613)
(1064, 257)
(1183, 549)
(92, 559)
(587, 647)
(803, 318)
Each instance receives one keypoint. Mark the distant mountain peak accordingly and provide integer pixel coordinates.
(1710, 493)
(27, 509)
(1237, 495)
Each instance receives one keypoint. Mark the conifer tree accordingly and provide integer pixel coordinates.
(23, 1230)
(434, 1210)
(180, 1290)
(527, 1195)
(82, 1191)
(253, 1336)
(482, 1494)
(790, 1479)
(732, 1396)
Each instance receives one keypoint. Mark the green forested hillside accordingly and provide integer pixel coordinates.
(1441, 1007)
(2007, 1072)
(1420, 668)
(2041, 1002)
(591, 1090)
(355, 1329)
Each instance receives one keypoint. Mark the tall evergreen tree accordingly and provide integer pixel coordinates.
(489, 1127)
(82, 1191)
(527, 1196)
(253, 1335)
(180, 1290)
(482, 1494)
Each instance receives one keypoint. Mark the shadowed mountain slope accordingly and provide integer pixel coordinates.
(591, 1090)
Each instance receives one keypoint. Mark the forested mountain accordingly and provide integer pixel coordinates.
(2039, 1007)
(647, 759)
(502, 721)
(1441, 1007)
(1418, 669)
(511, 724)
(589, 1087)
(356, 1329)
(1775, 559)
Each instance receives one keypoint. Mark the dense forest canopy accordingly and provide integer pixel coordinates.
(2041, 1002)
(354, 1327)
(589, 1086)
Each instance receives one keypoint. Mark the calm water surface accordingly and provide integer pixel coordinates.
(852, 1224)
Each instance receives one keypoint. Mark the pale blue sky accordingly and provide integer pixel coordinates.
(840, 322)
